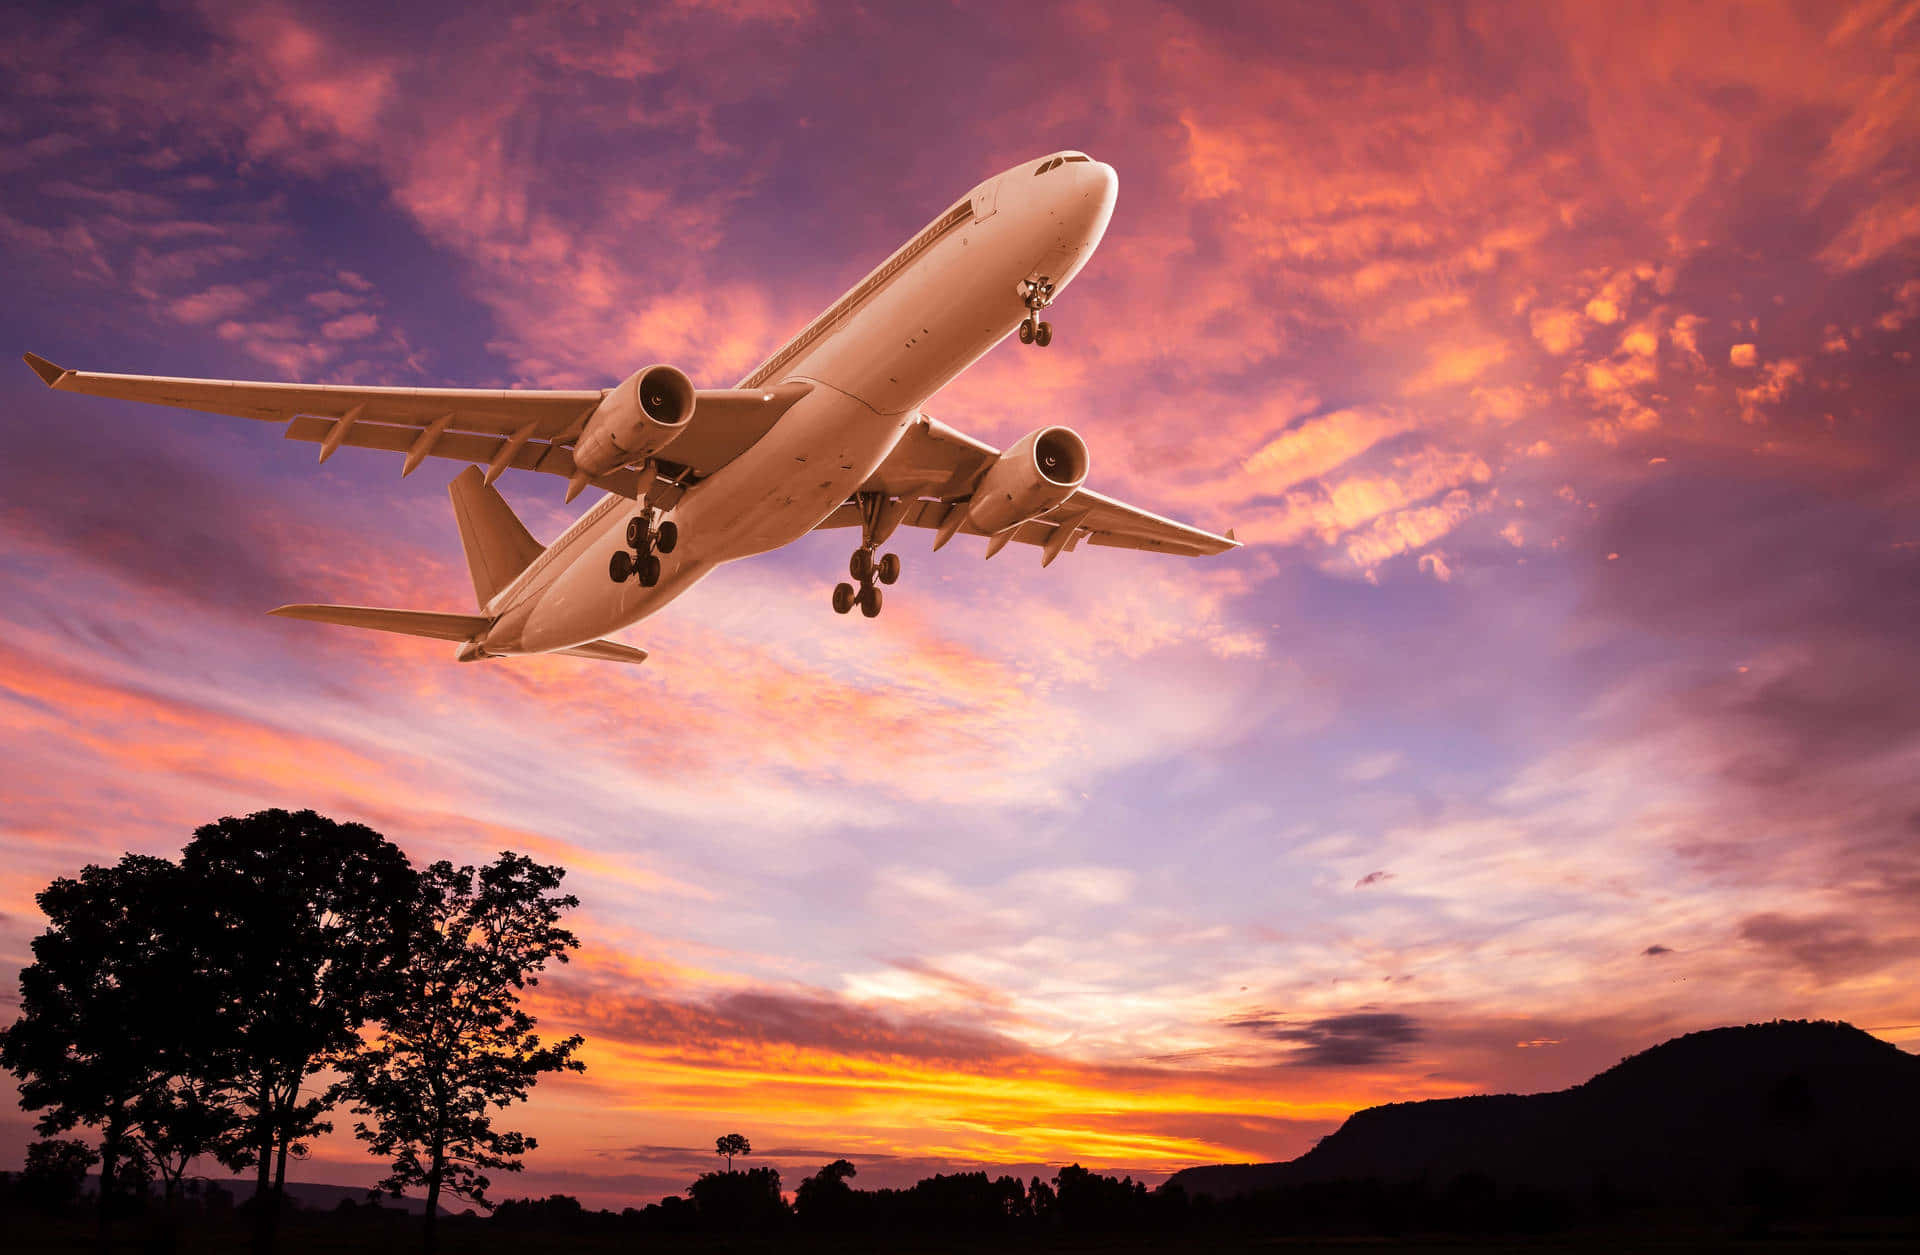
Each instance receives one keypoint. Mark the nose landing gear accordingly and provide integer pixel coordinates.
(646, 539)
(868, 572)
(1036, 294)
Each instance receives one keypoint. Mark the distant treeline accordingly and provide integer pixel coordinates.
(995, 1212)
(1077, 1201)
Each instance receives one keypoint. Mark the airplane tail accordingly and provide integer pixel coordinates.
(498, 545)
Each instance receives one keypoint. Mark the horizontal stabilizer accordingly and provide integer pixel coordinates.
(442, 627)
(607, 651)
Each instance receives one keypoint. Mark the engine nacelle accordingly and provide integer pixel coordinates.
(1030, 478)
(635, 421)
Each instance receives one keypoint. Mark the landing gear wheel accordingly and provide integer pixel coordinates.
(860, 566)
(869, 601)
(666, 537)
(843, 598)
(636, 533)
(889, 568)
(649, 568)
(1026, 331)
(620, 566)
(1043, 334)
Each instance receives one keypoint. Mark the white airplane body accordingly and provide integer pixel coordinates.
(827, 432)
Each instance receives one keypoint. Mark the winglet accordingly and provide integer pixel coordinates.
(48, 372)
(1232, 537)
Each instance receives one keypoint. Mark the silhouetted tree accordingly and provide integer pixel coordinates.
(56, 1169)
(559, 1212)
(739, 1200)
(306, 936)
(1088, 1201)
(730, 1145)
(825, 1200)
(119, 1023)
(185, 1116)
(1042, 1202)
(454, 1041)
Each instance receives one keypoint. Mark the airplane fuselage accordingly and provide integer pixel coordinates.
(872, 359)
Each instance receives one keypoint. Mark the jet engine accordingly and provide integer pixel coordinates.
(635, 420)
(1030, 478)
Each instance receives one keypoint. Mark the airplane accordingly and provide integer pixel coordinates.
(826, 433)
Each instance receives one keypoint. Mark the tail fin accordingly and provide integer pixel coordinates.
(498, 545)
(443, 627)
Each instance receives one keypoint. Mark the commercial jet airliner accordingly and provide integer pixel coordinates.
(828, 432)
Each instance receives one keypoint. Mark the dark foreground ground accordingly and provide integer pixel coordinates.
(321, 1235)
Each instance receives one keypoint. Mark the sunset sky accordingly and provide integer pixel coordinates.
(1554, 362)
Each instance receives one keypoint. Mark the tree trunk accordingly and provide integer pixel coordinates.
(110, 1140)
(437, 1170)
(281, 1137)
(265, 1205)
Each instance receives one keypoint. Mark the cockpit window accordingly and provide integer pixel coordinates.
(1076, 159)
(1048, 165)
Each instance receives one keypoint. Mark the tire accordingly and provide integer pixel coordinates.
(860, 565)
(870, 601)
(1044, 336)
(666, 536)
(620, 566)
(1026, 331)
(889, 569)
(842, 598)
(636, 533)
(649, 571)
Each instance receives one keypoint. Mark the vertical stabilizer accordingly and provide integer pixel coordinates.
(498, 545)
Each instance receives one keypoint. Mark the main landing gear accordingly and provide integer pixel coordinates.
(867, 571)
(864, 568)
(1037, 294)
(647, 538)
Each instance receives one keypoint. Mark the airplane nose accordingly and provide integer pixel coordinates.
(1096, 188)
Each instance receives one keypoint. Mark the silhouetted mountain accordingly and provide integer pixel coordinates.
(1790, 1106)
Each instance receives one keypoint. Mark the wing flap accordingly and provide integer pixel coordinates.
(462, 446)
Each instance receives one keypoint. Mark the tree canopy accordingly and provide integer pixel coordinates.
(119, 1022)
(731, 1144)
(455, 1043)
(306, 934)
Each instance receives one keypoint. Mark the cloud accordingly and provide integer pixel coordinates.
(1829, 947)
(1656, 950)
(1372, 878)
(1353, 1040)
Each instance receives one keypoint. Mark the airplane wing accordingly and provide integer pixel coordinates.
(498, 428)
(934, 469)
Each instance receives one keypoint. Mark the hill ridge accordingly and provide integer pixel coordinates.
(1689, 1118)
